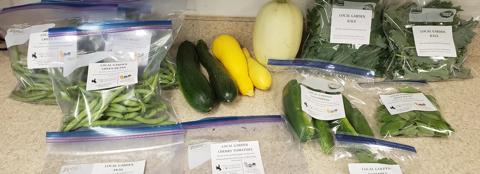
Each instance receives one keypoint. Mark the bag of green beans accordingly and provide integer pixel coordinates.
(110, 74)
(17, 26)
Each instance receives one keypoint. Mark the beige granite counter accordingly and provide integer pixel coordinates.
(23, 126)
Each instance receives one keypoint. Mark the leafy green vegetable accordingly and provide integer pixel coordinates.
(318, 46)
(413, 123)
(364, 155)
(406, 64)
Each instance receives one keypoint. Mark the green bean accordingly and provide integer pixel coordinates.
(134, 109)
(131, 115)
(114, 114)
(80, 117)
(114, 123)
(154, 121)
(117, 108)
(123, 97)
(155, 110)
(131, 103)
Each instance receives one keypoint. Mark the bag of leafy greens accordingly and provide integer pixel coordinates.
(110, 74)
(409, 109)
(429, 40)
(146, 150)
(346, 32)
(246, 144)
(365, 155)
(320, 98)
(28, 58)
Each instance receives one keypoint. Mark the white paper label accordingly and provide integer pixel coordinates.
(48, 52)
(198, 154)
(432, 15)
(434, 41)
(132, 45)
(406, 102)
(351, 26)
(113, 74)
(136, 167)
(322, 106)
(373, 168)
(16, 36)
(236, 158)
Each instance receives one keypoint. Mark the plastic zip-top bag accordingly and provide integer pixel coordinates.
(21, 23)
(429, 40)
(320, 98)
(146, 150)
(409, 109)
(251, 144)
(110, 74)
(365, 155)
(346, 32)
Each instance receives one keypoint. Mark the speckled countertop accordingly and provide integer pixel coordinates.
(23, 126)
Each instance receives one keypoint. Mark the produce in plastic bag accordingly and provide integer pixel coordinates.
(323, 98)
(19, 22)
(370, 54)
(113, 78)
(438, 59)
(412, 111)
(278, 151)
(364, 154)
(148, 150)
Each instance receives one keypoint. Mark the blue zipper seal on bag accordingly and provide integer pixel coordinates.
(373, 141)
(225, 121)
(104, 134)
(56, 6)
(109, 27)
(322, 65)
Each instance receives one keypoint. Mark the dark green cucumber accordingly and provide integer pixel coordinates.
(224, 87)
(193, 84)
(356, 118)
(300, 121)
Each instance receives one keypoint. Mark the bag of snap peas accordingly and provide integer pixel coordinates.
(409, 109)
(247, 144)
(347, 32)
(320, 98)
(365, 155)
(27, 57)
(111, 72)
(429, 40)
(146, 150)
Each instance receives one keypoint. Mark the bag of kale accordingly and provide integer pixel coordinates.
(346, 32)
(429, 40)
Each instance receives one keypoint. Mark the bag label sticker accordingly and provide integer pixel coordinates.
(405, 102)
(320, 105)
(432, 15)
(198, 154)
(351, 26)
(132, 45)
(17, 36)
(373, 168)
(113, 74)
(434, 41)
(136, 167)
(236, 158)
(49, 52)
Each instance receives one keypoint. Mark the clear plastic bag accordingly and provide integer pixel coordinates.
(318, 43)
(369, 155)
(161, 148)
(279, 151)
(19, 22)
(113, 79)
(423, 120)
(313, 96)
(437, 63)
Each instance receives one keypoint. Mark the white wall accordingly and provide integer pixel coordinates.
(251, 7)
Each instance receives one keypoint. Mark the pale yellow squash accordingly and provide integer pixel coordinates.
(278, 31)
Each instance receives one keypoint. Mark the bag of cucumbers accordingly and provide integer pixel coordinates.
(321, 98)
(362, 155)
(110, 74)
(409, 109)
(22, 27)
